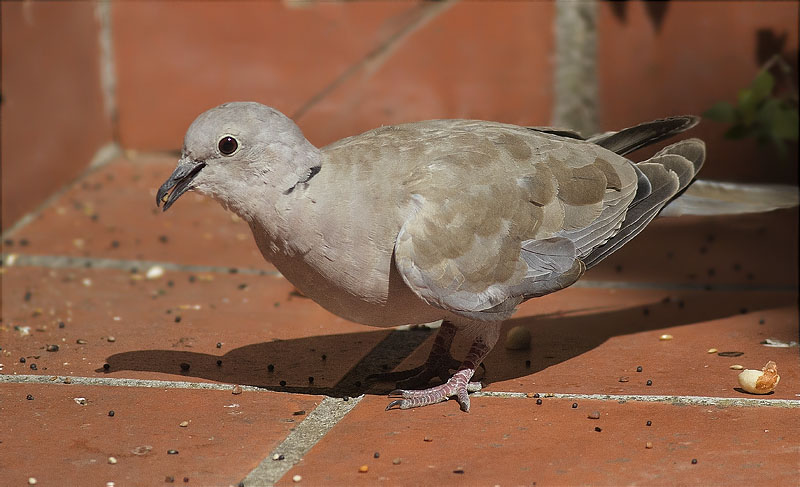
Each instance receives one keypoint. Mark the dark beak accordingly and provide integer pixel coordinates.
(179, 182)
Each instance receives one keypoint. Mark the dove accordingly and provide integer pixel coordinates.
(452, 220)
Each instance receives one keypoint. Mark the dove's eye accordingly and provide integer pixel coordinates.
(228, 145)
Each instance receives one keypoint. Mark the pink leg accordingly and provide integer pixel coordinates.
(438, 364)
(459, 384)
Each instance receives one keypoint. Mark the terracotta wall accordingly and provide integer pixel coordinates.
(344, 67)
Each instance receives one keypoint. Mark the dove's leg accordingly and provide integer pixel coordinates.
(459, 384)
(438, 364)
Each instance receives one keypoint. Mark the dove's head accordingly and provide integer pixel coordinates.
(236, 152)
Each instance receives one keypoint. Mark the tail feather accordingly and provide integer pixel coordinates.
(633, 138)
(722, 198)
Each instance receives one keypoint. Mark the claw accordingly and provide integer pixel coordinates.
(398, 403)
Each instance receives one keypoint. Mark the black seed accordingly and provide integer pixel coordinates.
(29, 397)
(134, 270)
(8, 241)
(270, 367)
(233, 270)
(186, 479)
(762, 321)
(61, 324)
(94, 217)
(376, 455)
(311, 380)
(527, 364)
(598, 429)
(219, 363)
(574, 405)
(111, 413)
(114, 244)
(106, 366)
(458, 470)
(639, 368)
(646, 311)
(282, 383)
(694, 461)
(281, 457)
(649, 423)
(219, 344)
(345, 398)
(24, 242)
(649, 382)
(324, 357)
(192, 278)
(243, 286)
(535, 395)
(539, 401)
(170, 283)
(33, 367)
(28, 295)
(302, 412)
(730, 354)
(169, 479)
(22, 360)
(52, 348)
(163, 238)
(185, 366)
(178, 319)
(172, 452)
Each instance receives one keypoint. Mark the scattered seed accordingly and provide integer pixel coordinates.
(237, 389)
(301, 412)
(22, 360)
(34, 367)
(106, 366)
(52, 348)
(282, 383)
(536, 395)
(574, 405)
(712, 350)
(737, 367)
(81, 341)
(594, 415)
(183, 424)
(163, 238)
(346, 398)
(527, 364)
(529, 395)
(639, 368)
(185, 366)
(730, 354)
(177, 318)
(598, 429)
(112, 460)
(270, 367)
(61, 324)
(219, 363)
(648, 445)
(172, 452)
(428, 439)
(539, 402)
(458, 471)
(646, 311)
(111, 339)
(694, 461)
(624, 379)
(649, 382)
(29, 397)
(28, 296)
(324, 357)
(169, 479)
(664, 338)
(31, 480)
(363, 469)
(297, 478)
(649, 423)
(396, 461)
(111, 413)
(376, 455)
(186, 479)
(276, 457)
(67, 380)
(762, 321)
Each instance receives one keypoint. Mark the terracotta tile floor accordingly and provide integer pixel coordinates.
(81, 319)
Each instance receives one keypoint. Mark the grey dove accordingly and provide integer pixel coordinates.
(453, 220)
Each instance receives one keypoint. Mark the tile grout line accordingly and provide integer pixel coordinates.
(307, 434)
(165, 384)
(11, 259)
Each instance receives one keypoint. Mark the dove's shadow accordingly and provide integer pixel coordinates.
(298, 365)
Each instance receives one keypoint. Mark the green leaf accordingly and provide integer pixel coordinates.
(747, 106)
(721, 112)
(738, 132)
(785, 124)
(762, 85)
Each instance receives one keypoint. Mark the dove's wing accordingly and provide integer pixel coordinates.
(505, 213)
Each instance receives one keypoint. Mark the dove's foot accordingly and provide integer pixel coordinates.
(458, 385)
(438, 364)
